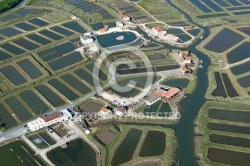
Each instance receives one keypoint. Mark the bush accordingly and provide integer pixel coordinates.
(3, 129)
(8, 4)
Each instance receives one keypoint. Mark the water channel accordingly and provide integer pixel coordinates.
(191, 105)
(185, 127)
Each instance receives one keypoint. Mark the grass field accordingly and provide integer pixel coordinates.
(161, 10)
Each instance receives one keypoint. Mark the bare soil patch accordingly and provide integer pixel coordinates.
(91, 106)
(60, 129)
(106, 136)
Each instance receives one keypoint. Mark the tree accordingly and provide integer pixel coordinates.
(3, 128)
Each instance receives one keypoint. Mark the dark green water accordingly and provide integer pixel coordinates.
(229, 156)
(126, 149)
(111, 39)
(230, 115)
(19, 109)
(52, 97)
(154, 144)
(76, 84)
(38, 141)
(13, 75)
(30, 68)
(47, 138)
(63, 89)
(234, 141)
(229, 128)
(6, 118)
(34, 102)
(78, 153)
(182, 82)
(17, 153)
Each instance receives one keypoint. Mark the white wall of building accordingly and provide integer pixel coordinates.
(119, 113)
(39, 123)
(150, 103)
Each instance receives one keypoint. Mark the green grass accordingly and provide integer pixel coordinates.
(161, 10)
(151, 25)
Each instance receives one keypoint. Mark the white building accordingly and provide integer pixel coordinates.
(120, 111)
(86, 39)
(158, 30)
(126, 18)
(47, 120)
(73, 17)
(119, 24)
(172, 37)
(36, 124)
(93, 48)
(187, 62)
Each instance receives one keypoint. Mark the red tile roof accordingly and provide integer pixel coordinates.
(185, 69)
(104, 109)
(185, 52)
(51, 117)
(167, 94)
(171, 92)
(189, 27)
(158, 28)
(102, 30)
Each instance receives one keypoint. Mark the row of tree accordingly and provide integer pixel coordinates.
(8, 4)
